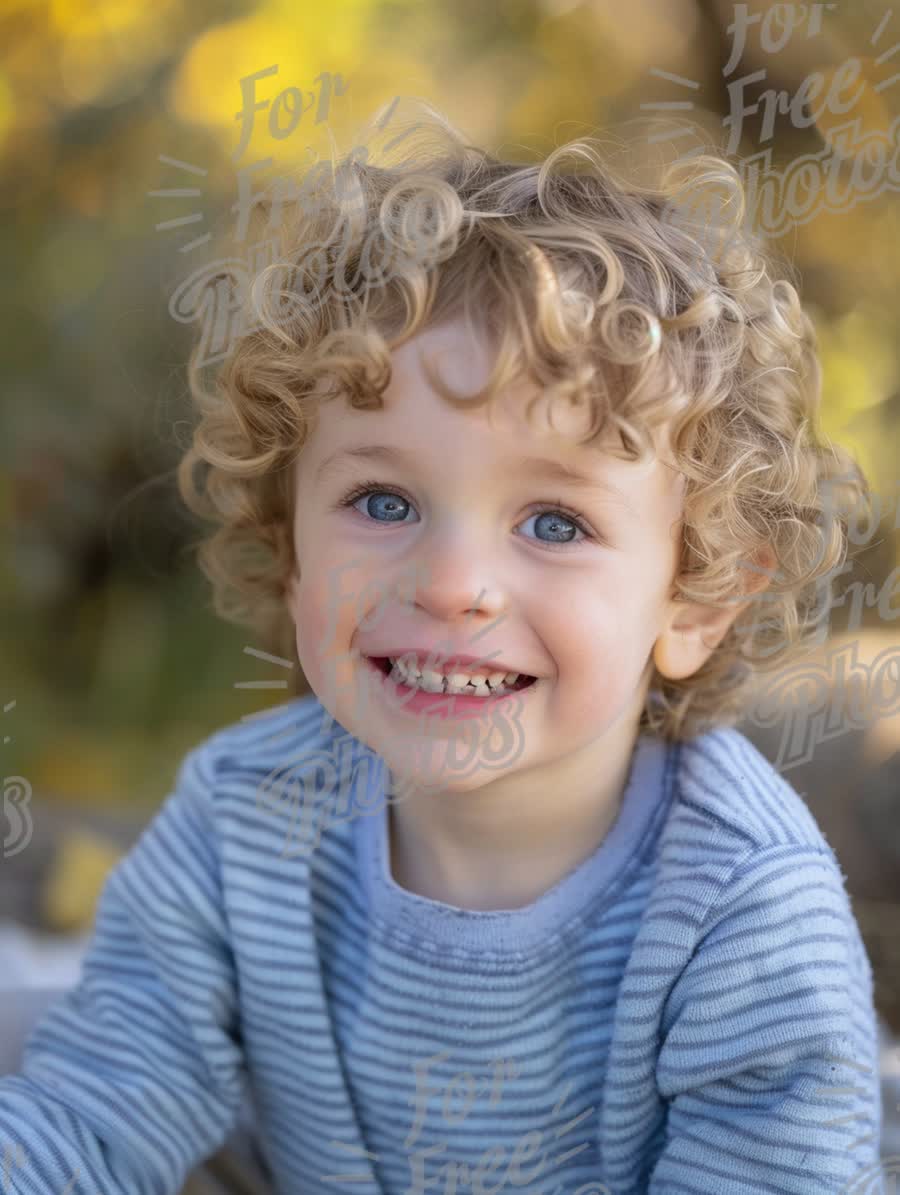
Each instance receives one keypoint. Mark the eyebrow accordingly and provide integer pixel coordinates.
(535, 466)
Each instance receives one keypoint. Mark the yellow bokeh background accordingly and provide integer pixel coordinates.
(111, 652)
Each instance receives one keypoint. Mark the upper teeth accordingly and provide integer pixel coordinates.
(434, 682)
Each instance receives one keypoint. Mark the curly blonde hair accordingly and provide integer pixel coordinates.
(610, 296)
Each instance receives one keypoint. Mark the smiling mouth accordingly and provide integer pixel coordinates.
(523, 682)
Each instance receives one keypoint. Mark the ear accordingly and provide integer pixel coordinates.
(692, 631)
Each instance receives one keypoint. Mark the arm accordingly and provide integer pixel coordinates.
(769, 1055)
(136, 1073)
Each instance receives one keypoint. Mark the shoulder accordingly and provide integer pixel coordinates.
(737, 835)
(262, 741)
(731, 796)
(747, 882)
(262, 760)
(279, 777)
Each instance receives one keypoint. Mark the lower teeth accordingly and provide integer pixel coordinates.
(467, 692)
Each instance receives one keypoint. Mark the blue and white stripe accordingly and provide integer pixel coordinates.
(689, 1011)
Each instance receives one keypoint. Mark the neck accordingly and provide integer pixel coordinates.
(504, 844)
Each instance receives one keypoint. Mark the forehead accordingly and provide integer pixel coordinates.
(518, 424)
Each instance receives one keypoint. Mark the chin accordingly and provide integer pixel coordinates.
(441, 770)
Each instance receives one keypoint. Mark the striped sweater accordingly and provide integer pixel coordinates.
(689, 1010)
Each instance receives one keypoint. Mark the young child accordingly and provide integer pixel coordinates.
(505, 902)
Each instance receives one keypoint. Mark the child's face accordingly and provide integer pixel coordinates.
(461, 540)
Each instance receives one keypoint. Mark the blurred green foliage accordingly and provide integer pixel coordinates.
(110, 649)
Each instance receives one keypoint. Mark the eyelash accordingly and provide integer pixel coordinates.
(370, 487)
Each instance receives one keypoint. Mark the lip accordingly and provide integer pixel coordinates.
(446, 659)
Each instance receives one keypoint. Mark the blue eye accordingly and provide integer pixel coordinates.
(389, 506)
(554, 524)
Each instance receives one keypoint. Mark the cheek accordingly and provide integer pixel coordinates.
(320, 626)
(333, 605)
(600, 634)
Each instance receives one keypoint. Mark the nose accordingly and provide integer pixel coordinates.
(455, 579)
